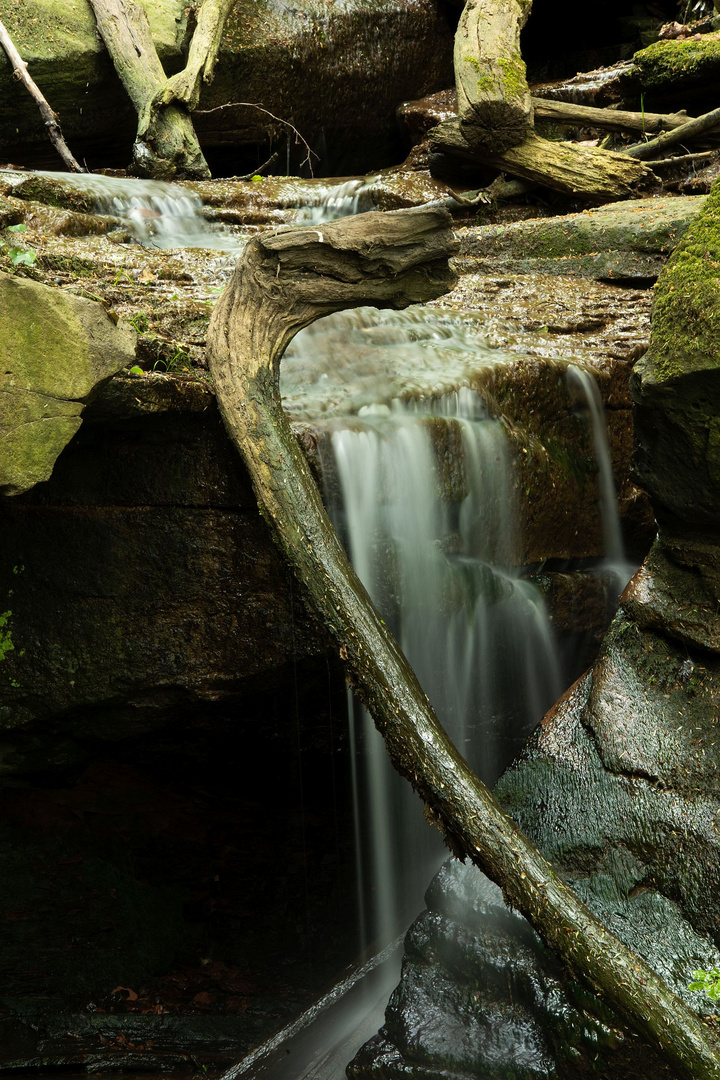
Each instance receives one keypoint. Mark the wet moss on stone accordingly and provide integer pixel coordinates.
(671, 65)
(686, 313)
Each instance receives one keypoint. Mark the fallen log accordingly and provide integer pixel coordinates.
(564, 112)
(285, 281)
(583, 171)
(709, 121)
(494, 103)
(50, 117)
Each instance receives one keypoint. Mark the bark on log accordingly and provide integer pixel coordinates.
(166, 145)
(50, 117)
(583, 171)
(494, 102)
(563, 112)
(284, 281)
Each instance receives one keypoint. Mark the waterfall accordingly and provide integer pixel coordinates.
(425, 504)
(615, 560)
(166, 215)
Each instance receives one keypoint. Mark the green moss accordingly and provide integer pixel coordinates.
(670, 65)
(686, 313)
(514, 76)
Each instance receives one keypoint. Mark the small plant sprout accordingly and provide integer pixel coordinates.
(707, 981)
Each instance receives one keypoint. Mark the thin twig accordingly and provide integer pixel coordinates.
(685, 159)
(49, 117)
(261, 168)
(253, 105)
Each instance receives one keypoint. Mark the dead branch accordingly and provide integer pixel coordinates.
(699, 126)
(286, 280)
(50, 118)
(309, 154)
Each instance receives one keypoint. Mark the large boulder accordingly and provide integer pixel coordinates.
(55, 349)
(676, 386)
(336, 72)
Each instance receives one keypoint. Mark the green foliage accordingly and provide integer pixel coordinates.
(708, 982)
(140, 322)
(20, 257)
(6, 641)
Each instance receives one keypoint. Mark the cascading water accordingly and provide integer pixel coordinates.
(165, 215)
(615, 561)
(426, 506)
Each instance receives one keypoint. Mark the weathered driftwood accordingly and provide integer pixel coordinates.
(584, 171)
(166, 145)
(564, 112)
(284, 281)
(494, 103)
(690, 130)
(50, 117)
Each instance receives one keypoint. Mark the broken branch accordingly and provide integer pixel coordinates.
(699, 126)
(50, 117)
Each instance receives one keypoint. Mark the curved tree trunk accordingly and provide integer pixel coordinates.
(494, 102)
(284, 281)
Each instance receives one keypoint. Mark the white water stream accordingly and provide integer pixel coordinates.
(427, 509)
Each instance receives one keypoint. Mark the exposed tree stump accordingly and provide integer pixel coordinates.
(284, 281)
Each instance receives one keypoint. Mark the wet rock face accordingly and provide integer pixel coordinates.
(676, 385)
(336, 72)
(140, 580)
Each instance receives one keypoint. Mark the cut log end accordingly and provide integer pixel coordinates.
(496, 126)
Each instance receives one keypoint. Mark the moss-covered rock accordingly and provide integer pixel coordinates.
(674, 68)
(624, 242)
(55, 349)
(676, 385)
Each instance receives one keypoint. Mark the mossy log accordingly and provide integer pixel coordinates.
(494, 104)
(285, 281)
(583, 171)
(166, 145)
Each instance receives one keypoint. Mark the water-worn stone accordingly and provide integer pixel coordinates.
(55, 349)
(609, 792)
(626, 242)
